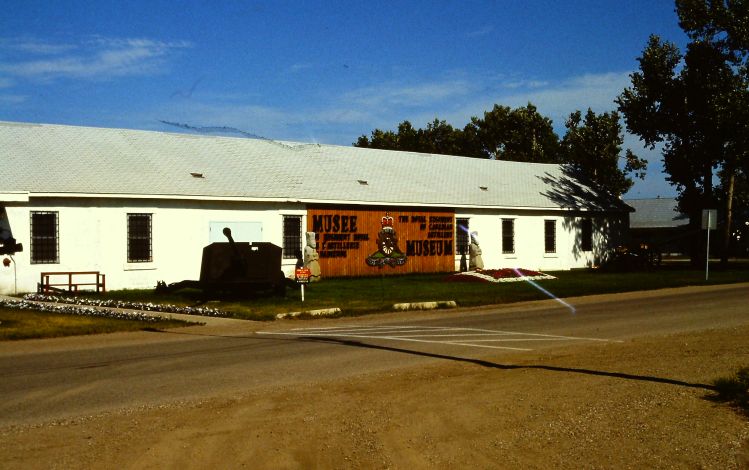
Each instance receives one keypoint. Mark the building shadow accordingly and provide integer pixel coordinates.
(494, 365)
(583, 199)
(713, 392)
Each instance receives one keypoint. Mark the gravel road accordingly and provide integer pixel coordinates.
(630, 391)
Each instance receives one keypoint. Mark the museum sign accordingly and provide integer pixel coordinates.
(383, 240)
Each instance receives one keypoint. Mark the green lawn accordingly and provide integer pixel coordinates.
(376, 294)
(364, 295)
(26, 324)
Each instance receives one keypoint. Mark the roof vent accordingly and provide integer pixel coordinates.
(196, 175)
(363, 182)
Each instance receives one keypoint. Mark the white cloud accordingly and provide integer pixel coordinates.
(458, 99)
(299, 67)
(383, 106)
(554, 99)
(396, 94)
(13, 99)
(97, 58)
(483, 31)
(524, 84)
(34, 46)
(341, 118)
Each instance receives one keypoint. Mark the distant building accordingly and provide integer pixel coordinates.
(658, 222)
(139, 206)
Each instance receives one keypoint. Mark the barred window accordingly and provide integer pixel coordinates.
(586, 235)
(292, 236)
(45, 248)
(550, 236)
(508, 236)
(461, 236)
(139, 238)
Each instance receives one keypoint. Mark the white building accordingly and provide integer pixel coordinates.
(139, 206)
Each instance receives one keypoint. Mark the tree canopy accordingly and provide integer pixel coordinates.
(438, 137)
(592, 146)
(696, 103)
(520, 134)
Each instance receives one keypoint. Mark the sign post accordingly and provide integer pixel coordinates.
(709, 222)
(302, 276)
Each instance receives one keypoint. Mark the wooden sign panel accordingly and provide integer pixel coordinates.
(369, 242)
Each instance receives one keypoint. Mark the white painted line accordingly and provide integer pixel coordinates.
(372, 327)
(394, 338)
(507, 340)
(364, 328)
(366, 331)
(418, 334)
(414, 333)
(485, 346)
(454, 334)
(545, 335)
(453, 329)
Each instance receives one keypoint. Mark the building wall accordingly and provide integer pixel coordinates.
(93, 237)
(529, 253)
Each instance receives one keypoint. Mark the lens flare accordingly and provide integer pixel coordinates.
(532, 282)
(549, 294)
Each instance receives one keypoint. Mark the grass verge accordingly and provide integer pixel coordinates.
(378, 294)
(18, 324)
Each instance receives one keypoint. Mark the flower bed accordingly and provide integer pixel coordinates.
(499, 275)
(88, 306)
(77, 310)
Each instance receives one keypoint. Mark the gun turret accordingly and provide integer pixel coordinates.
(239, 267)
(10, 247)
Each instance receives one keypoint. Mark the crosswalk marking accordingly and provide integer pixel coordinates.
(454, 336)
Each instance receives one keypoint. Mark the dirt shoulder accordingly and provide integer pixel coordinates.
(637, 404)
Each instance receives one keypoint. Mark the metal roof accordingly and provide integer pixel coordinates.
(47, 160)
(656, 213)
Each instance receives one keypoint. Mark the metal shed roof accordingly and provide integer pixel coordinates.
(47, 160)
(656, 213)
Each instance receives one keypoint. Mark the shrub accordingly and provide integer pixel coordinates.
(734, 389)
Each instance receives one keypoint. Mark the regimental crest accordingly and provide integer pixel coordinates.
(388, 251)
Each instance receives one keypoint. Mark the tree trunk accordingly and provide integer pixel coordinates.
(699, 248)
(729, 218)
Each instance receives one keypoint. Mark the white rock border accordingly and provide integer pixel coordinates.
(122, 304)
(314, 313)
(426, 305)
(486, 277)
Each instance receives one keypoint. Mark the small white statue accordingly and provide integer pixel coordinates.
(311, 257)
(475, 263)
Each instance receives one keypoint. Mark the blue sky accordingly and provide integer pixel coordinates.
(323, 72)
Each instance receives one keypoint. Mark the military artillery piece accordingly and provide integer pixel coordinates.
(237, 268)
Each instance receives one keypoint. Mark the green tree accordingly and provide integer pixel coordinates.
(438, 137)
(720, 22)
(593, 146)
(695, 104)
(724, 25)
(520, 134)
(379, 139)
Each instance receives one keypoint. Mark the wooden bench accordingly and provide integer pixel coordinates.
(46, 286)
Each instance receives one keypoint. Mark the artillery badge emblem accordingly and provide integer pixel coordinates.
(388, 251)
